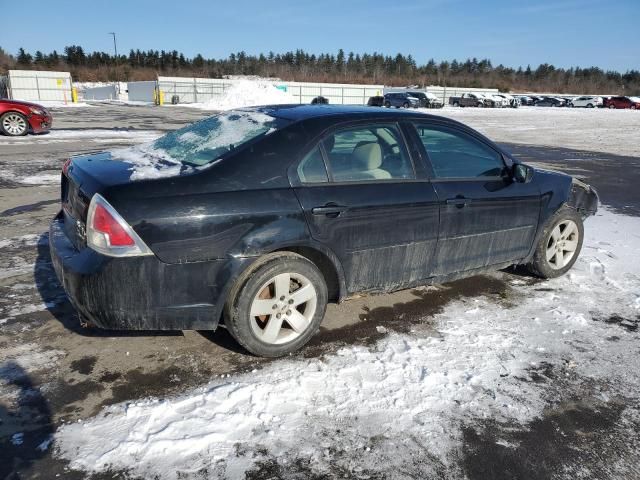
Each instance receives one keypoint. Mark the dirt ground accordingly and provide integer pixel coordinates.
(52, 371)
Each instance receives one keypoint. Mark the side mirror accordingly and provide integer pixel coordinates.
(522, 173)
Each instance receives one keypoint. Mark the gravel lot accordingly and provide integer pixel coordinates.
(54, 373)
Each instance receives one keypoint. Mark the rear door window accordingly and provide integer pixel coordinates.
(367, 153)
(312, 168)
(455, 154)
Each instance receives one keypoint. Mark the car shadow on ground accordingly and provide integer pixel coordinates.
(26, 427)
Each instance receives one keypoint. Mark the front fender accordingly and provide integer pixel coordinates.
(583, 197)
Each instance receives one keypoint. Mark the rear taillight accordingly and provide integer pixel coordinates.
(108, 233)
(65, 167)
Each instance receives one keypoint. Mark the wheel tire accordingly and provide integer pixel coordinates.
(387, 104)
(633, 107)
(545, 268)
(612, 106)
(590, 105)
(456, 104)
(405, 105)
(14, 124)
(260, 280)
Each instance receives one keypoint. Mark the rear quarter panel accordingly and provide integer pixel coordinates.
(191, 228)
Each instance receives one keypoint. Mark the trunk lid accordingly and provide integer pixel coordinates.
(85, 176)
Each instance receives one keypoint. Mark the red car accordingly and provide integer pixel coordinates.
(19, 118)
(622, 102)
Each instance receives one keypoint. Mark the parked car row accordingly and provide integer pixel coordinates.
(498, 100)
(488, 100)
(409, 99)
(584, 101)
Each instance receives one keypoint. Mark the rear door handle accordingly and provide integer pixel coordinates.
(458, 201)
(328, 210)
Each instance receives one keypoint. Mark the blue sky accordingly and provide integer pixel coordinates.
(562, 32)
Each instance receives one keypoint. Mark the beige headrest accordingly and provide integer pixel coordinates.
(367, 156)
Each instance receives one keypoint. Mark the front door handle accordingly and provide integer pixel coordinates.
(328, 210)
(459, 201)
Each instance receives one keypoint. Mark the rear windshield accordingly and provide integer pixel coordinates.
(209, 139)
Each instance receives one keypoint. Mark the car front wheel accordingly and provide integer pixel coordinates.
(277, 307)
(559, 245)
(14, 124)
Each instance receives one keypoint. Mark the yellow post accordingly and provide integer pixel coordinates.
(74, 95)
(160, 97)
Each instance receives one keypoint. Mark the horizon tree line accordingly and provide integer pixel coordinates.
(299, 65)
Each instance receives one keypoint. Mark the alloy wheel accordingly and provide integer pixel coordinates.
(14, 124)
(562, 244)
(283, 308)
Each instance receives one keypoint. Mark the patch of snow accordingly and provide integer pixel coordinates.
(210, 137)
(44, 446)
(246, 93)
(17, 438)
(95, 135)
(41, 179)
(62, 104)
(29, 240)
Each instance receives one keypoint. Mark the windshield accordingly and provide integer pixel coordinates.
(210, 138)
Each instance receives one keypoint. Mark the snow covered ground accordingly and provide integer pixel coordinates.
(597, 129)
(387, 408)
(86, 134)
(53, 104)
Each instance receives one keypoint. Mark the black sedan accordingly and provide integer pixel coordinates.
(259, 217)
(551, 102)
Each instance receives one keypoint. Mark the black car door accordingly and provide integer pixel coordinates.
(364, 201)
(485, 217)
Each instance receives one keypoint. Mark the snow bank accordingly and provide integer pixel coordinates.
(246, 93)
(380, 408)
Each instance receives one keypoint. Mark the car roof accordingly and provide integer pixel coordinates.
(346, 112)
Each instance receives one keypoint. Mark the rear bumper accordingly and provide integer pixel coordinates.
(138, 293)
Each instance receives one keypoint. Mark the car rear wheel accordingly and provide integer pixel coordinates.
(590, 105)
(612, 106)
(387, 104)
(405, 105)
(633, 107)
(14, 124)
(559, 244)
(456, 104)
(277, 307)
